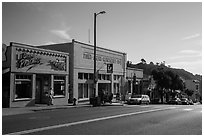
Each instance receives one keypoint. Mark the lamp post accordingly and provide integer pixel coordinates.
(95, 80)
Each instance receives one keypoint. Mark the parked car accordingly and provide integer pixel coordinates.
(184, 101)
(175, 101)
(190, 102)
(138, 99)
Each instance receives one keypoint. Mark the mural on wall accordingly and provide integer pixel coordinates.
(57, 65)
(29, 59)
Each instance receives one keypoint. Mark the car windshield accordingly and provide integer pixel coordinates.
(136, 96)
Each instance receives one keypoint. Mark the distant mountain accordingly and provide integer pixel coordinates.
(147, 69)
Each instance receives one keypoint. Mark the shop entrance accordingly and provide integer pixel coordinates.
(43, 83)
(104, 87)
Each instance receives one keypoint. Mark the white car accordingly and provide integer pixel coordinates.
(138, 99)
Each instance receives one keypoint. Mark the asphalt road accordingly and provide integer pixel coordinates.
(109, 120)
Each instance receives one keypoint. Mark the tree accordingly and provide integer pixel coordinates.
(143, 61)
(189, 92)
(151, 63)
(165, 80)
(159, 77)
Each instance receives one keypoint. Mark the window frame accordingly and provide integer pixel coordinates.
(59, 80)
(22, 78)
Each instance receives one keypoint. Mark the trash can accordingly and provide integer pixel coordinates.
(74, 101)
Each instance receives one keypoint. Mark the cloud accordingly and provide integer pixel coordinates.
(183, 63)
(191, 66)
(49, 43)
(183, 54)
(189, 52)
(63, 34)
(186, 56)
(191, 36)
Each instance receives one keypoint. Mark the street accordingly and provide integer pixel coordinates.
(109, 120)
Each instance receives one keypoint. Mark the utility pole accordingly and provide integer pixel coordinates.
(95, 73)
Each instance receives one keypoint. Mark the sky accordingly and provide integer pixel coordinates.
(154, 31)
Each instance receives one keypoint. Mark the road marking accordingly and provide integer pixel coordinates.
(85, 121)
(144, 106)
(131, 105)
(172, 107)
(187, 109)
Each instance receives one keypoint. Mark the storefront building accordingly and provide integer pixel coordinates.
(134, 78)
(82, 69)
(28, 74)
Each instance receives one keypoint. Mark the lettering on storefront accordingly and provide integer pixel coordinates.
(27, 60)
(102, 58)
(57, 65)
(32, 60)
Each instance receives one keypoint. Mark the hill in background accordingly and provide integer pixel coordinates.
(147, 69)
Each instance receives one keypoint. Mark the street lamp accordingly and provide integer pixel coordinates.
(95, 80)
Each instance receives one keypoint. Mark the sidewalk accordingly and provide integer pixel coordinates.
(23, 110)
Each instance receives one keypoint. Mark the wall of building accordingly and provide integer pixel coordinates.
(6, 60)
(82, 63)
(130, 73)
(29, 68)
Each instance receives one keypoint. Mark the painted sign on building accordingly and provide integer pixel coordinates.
(29, 59)
(102, 58)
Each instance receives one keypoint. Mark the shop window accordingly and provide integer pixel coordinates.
(91, 76)
(103, 76)
(80, 90)
(99, 76)
(91, 90)
(80, 75)
(114, 90)
(23, 87)
(118, 77)
(59, 86)
(108, 77)
(114, 77)
(86, 75)
(118, 88)
(83, 91)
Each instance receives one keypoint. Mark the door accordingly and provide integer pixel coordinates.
(38, 94)
(43, 83)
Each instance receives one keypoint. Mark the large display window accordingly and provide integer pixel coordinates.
(59, 86)
(83, 90)
(23, 84)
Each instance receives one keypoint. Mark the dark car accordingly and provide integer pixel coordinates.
(175, 101)
(184, 101)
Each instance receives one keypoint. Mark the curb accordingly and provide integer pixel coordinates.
(25, 110)
(59, 107)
